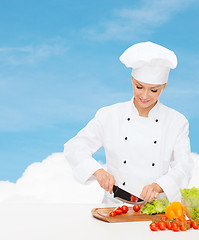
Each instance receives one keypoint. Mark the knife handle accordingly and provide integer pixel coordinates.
(115, 188)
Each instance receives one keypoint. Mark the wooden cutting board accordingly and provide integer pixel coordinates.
(130, 216)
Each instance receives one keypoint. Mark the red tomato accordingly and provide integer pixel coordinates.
(169, 225)
(175, 227)
(153, 226)
(163, 218)
(112, 214)
(195, 224)
(118, 208)
(134, 198)
(177, 220)
(183, 226)
(124, 209)
(189, 224)
(136, 208)
(118, 211)
(161, 225)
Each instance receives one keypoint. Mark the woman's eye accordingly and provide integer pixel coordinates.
(154, 90)
(138, 87)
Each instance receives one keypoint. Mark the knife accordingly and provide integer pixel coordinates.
(125, 196)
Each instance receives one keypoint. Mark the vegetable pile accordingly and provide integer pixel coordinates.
(123, 209)
(156, 206)
(174, 225)
(119, 211)
(174, 218)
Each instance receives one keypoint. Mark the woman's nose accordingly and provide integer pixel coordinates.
(145, 94)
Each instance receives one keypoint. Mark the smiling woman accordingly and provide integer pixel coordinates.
(146, 96)
(142, 138)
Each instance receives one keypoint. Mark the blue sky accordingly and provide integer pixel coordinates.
(59, 64)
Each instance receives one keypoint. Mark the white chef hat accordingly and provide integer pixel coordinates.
(151, 62)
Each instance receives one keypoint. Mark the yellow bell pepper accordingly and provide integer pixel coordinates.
(175, 210)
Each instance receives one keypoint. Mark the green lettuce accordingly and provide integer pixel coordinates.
(190, 199)
(156, 206)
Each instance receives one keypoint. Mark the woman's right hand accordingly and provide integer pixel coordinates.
(105, 180)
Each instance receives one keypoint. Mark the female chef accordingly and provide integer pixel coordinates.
(146, 143)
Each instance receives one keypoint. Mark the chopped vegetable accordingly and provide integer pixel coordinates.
(119, 211)
(112, 214)
(156, 206)
(124, 209)
(134, 198)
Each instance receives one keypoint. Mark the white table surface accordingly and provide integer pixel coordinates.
(73, 221)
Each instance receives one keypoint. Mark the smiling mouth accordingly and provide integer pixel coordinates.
(144, 101)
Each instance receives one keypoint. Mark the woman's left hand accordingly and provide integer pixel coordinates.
(150, 192)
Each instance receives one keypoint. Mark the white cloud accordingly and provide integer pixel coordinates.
(51, 181)
(135, 22)
(31, 54)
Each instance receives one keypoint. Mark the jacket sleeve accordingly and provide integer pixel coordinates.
(181, 165)
(78, 151)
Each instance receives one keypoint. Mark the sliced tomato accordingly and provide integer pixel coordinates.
(118, 208)
(118, 211)
(134, 198)
(124, 209)
(112, 214)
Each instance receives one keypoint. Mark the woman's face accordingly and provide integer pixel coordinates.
(146, 95)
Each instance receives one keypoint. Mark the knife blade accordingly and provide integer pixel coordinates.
(125, 196)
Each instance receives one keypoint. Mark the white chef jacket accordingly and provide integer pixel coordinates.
(139, 150)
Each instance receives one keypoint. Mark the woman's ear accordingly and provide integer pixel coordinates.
(164, 86)
(131, 79)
